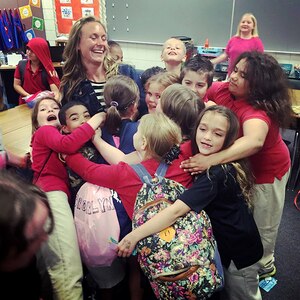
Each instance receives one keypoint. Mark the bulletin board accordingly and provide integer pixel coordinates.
(68, 11)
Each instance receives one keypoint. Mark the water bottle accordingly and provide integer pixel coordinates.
(2, 58)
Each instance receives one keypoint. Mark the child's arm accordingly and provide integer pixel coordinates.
(97, 120)
(112, 154)
(158, 223)
(245, 146)
(19, 89)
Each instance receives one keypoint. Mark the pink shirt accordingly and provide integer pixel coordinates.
(273, 160)
(237, 45)
(54, 177)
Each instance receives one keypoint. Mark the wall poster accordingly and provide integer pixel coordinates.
(68, 11)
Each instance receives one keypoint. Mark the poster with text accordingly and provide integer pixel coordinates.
(69, 11)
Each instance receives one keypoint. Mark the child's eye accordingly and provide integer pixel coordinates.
(87, 116)
(74, 119)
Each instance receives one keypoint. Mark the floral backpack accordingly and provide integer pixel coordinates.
(182, 261)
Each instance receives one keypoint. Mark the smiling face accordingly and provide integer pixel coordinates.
(197, 82)
(93, 43)
(47, 113)
(153, 95)
(246, 25)
(173, 51)
(75, 116)
(211, 133)
(239, 86)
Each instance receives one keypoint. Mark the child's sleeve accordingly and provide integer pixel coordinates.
(69, 143)
(99, 174)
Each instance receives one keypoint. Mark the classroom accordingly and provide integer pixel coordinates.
(105, 75)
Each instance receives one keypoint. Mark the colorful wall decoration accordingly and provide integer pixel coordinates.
(68, 11)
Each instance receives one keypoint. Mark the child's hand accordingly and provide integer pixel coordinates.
(97, 136)
(126, 246)
(97, 120)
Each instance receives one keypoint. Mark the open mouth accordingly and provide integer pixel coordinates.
(51, 118)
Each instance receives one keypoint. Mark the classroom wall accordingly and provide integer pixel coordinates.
(142, 56)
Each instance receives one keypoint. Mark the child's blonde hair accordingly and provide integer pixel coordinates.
(254, 30)
(120, 93)
(161, 134)
(163, 79)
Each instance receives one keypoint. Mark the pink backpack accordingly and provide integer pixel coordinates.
(97, 225)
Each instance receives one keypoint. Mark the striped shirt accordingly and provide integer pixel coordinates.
(99, 88)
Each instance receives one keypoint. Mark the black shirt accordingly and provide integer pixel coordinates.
(233, 225)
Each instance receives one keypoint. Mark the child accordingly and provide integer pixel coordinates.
(121, 95)
(224, 192)
(173, 55)
(181, 105)
(156, 137)
(115, 51)
(197, 74)
(61, 253)
(155, 86)
(71, 116)
(39, 61)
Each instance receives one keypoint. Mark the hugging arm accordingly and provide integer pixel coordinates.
(250, 143)
(112, 154)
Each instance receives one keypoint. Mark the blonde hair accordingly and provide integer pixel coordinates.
(254, 30)
(161, 134)
(163, 79)
(176, 39)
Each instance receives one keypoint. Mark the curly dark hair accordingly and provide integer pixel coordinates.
(268, 86)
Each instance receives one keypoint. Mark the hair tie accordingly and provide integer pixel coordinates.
(114, 103)
(172, 154)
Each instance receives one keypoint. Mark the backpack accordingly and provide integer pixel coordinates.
(97, 225)
(22, 65)
(182, 261)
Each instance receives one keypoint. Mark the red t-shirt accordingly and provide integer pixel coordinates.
(273, 160)
(32, 82)
(47, 138)
(123, 179)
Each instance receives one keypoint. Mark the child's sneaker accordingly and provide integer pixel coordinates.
(267, 273)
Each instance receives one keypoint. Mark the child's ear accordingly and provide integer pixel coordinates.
(144, 143)
(65, 129)
(184, 59)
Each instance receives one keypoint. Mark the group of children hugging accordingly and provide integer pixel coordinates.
(217, 127)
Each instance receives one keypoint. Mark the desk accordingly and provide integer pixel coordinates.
(15, 124)
(7, 73)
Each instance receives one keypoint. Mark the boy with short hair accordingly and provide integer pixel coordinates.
(173, 55)
(197, 74)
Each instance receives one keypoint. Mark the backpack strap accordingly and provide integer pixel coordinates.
(22, 66)
(144, 175)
